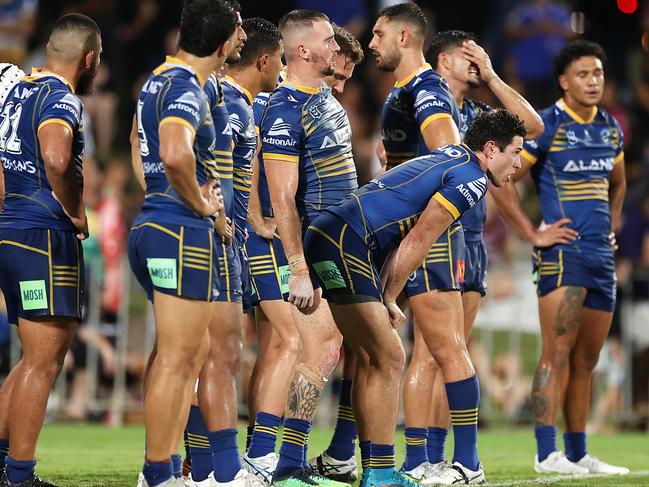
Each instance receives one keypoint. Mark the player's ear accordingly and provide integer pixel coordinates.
(223, 49)
(262, 63)
(404, 36)
(563, 82)
(89, 59)
(303, 51)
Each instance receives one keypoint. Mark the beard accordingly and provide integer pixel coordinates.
(389, 61)
(234, 57)
(494, 180)
(86, 82)
(327, 66)
(474, 83)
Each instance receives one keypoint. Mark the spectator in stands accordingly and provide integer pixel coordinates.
(538, 29)
(16, 26)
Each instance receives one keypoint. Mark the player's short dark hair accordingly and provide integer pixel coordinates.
(407, 12)
(205, 25)
(574, 51)
(349, 45)
(80, 23)
(497, 125)
(445, 41)
(263, 37)
(300, 19)
(234, 5)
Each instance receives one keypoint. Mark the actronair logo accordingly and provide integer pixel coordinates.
(189, 98)
(477, 187)
(280, 128)
(424, 96)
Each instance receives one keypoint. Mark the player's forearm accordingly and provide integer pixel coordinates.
(2, 188)
(509, 204)
(255, 217)
(136, 157)
(616, 201)
(408, 256)
(181, 174)
(64, 180)
(287, 220)
(514, 103)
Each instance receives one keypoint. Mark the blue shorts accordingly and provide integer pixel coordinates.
(41, 273)
(229, 272)
(268, 267)
(593, 270)
(341, 262)
(475, 267)
(175, 259)
(443, 268)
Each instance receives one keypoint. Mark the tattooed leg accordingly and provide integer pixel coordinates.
(304, 393)
(560, 313)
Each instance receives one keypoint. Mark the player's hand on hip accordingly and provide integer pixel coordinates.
(612, 239)
(224, 226)
(397, 318)
(81, 224)
(300, 290)
(478, 56)
(212, 198)
(556, 233)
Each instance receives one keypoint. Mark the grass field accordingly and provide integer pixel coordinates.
(84, 455)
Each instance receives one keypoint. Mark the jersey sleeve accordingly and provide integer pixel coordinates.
(183, 103)
(239, 122)
(258, 108)
(431, 101)
(61, 107)
(461, 190)
(537, 148)
(617, 139)
(281, 131)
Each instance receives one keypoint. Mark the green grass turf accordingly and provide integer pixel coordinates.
(82, 455)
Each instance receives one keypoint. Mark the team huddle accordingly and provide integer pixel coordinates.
(252, 208)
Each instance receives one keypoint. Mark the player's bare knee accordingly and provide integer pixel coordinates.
(290, 345)
(584, 361)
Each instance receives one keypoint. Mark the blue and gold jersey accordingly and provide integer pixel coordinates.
(258, 109)
(410, 107)
(173, 94)
(309, 127)
(473, 220)
(239, 102)
(573, 160)
(36, 101)
(384, 210)
(221, 158)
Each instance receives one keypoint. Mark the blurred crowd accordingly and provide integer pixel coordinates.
(522, 37)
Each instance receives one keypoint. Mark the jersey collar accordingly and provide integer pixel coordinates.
(408, 79)
(239, 88)
(44, 73)
(563, 106)
(306, 89)
(174, 62)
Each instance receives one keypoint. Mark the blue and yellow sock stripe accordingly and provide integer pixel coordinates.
(294, 436)
(385, 461)
(197, 441)
(269, 430)
(464, 417)
(346, 413)
(411, 441)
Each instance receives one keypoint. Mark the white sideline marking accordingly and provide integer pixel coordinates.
(549, 479)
